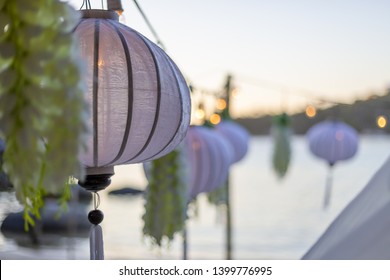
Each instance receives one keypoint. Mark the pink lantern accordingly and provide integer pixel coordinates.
(237, 136)
(210, 156)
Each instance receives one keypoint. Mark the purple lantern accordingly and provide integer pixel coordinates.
(210, 156)
(333, 141)
(238, 137)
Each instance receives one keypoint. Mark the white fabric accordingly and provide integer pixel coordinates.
(138, 91)
(362, 230)
(96, 243)
(210, 156)
(238, 137)
(333, 141)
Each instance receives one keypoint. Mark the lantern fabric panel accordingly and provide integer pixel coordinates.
(169, 99)
(140, 100)
(210, 156)
(333, 141)
(225, 158)
(200, 165)
(238, 137)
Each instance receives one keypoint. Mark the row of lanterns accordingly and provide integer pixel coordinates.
(211, 153)
(200, 165)
(140, 111)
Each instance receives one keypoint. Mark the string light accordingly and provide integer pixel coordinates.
(200, 114)
(235, 92)
(215, 119)
(381, 121)
(221, 104)
(311, 111)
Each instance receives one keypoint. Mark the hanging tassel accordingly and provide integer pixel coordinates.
(96, 243)
(328, 187)
(96, 235)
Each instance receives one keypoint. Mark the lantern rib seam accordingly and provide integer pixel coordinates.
(181, 112)
(95, 92)
(77, 25)
(158, 98)
(130, 92)
(198, 167)
(211, 177)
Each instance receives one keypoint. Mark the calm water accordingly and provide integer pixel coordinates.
(272, 218)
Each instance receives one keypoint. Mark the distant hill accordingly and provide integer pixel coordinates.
(361, 115)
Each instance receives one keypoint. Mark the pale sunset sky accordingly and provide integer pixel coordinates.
(282, 54)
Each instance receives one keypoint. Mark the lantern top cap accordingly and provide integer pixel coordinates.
(100, 14)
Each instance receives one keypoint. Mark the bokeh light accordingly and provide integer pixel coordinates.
(221, 104)
(215, 119)
(381, 121)
(311, 111)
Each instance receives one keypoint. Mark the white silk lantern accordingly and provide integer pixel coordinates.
(210, 156)
(139, 100)
(139, 103)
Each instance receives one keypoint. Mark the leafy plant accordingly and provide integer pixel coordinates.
(281, 133)
(166, 197)
(42, 107)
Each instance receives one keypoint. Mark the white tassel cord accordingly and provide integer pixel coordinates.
(96, 243)
(328, 187)
(96, 233)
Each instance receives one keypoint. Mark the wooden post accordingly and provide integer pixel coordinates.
(226, 115)
(185, 243)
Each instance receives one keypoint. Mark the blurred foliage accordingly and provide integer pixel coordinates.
(166, 197)
(43, 112)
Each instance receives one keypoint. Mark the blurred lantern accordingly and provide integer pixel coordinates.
(333, 141)
(281, 133)
(139, 100)
(210, 156)
(236, 135)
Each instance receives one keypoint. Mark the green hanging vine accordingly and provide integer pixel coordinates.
(42, 106)
(166, 198)
(281, 130)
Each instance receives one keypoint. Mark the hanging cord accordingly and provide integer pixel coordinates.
(87, 4)
(328, 187)
(150, 25)
(159, 41)
(96, 200)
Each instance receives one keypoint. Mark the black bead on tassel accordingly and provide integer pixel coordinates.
(95, 216)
